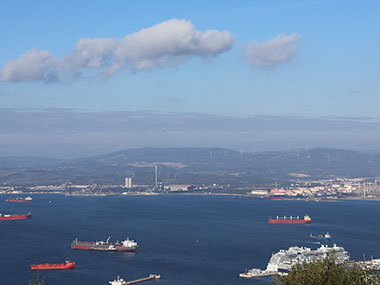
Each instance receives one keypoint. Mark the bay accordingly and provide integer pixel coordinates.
(188, 239)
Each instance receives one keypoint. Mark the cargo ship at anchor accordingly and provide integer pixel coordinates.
(4, 217)
(125, 245)
(290, 220)
(20, 200)
(67, 265)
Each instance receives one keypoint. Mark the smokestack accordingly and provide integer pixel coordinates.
(155, 177)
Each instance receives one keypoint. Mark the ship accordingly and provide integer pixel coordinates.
(118, 281)
(67, 265)
(20, 199)
(15, 216)
(125, 245)
(282, 261)
(271, 198)
(326, 237)
(121, 281)
(290, 220)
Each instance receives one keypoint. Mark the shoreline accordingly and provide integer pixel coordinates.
(309, 199)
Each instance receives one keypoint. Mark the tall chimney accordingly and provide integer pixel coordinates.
(155, 176)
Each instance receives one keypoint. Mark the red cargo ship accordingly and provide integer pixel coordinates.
(15, 216)
(66, 265)
(290, 220)
(20, 200)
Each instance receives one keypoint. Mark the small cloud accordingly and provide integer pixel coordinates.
(272, 53)
(169, 43)
(354, 91)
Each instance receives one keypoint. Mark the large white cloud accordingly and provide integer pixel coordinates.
(166, 44)
(271, 53)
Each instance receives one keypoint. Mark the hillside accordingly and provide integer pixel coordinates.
(191, 166)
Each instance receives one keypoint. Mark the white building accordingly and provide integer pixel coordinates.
(259, 192)
(128, 182)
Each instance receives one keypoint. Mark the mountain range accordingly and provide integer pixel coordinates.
(191, 166)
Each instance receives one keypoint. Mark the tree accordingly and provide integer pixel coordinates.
(328, 272)
(36, 281)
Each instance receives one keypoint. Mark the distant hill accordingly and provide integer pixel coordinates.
(192, 166)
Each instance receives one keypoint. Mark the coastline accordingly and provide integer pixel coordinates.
(237, 195)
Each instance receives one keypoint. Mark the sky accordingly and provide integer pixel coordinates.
(80, 78)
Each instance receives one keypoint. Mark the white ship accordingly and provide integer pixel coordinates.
(282, 261)
(326, 237)
(118, 281)
(121, 281)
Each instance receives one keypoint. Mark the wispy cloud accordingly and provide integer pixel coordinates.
(355, 91)
(169, 43)
(273, 52)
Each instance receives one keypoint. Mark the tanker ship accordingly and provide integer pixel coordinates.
(20, 199)
(48, 266)
(290, 220)
(15, 216)
(125, 245)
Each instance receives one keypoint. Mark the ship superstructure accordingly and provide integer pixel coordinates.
(282, 261)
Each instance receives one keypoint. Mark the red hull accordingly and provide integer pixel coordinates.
(81, 247)
(67, 265)
(15, 217)
(18, 201)
(274, 221)
(273, 199)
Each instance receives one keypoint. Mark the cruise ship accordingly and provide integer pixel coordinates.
(282, 261)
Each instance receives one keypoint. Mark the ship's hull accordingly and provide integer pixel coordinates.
(68, 265)
(89, 245)
(271, 198)
(18, 201)
(275, 221)
(15, 217)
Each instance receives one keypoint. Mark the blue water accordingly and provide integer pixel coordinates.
(186, 239)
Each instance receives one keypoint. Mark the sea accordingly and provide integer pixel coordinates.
(187, 239)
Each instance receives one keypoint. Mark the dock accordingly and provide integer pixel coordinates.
(373, 264)
(150, 277)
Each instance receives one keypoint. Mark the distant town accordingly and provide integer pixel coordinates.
(338, 188)
(307, 174)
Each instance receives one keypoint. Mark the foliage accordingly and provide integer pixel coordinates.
(327, 272)
(36, 281)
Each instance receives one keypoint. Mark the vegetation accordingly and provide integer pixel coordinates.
(328, 272)
(36, 281)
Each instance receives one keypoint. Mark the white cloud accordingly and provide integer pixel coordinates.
(271, 53)
(32, 65)
(168, 43)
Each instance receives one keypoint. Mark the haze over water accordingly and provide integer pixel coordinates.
(186, 239)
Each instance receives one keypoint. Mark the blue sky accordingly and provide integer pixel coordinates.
(311, 59)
